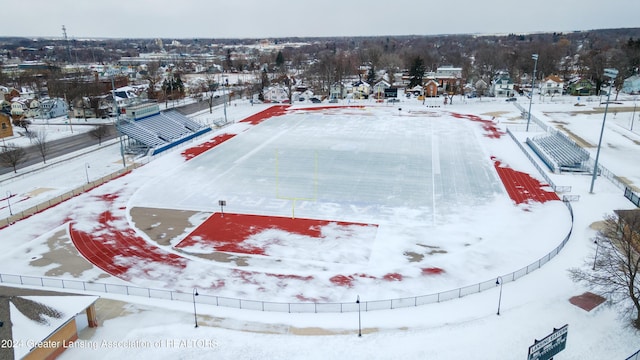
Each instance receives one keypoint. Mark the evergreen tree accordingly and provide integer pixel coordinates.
(371, 75)
(265, 79)
(279, 60)
(416, 72)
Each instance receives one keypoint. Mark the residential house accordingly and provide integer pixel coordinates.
(337, 91)
(276, 93)
(417, 90)
(361, 89)
(581, 87)
(6, 130)
(481, 87)
(53, 108)
(430, 89)
(379, 88)
(3, 91)
(302, 94)
(5, 106)
(631, 85)
(34, 108)
(449, 78)
(82, 108)
(19, 107)
(502, 85)
(125, 95)
(27, 92)
(551, 85)
(10, 94)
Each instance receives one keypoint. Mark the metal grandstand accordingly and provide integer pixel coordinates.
(559, 153)
(150, 131)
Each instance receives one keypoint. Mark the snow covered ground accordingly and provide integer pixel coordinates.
(467, 327)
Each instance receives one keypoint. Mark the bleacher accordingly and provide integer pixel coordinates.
(180, 119)
(160, 130)
(559, 152)
(140, 133)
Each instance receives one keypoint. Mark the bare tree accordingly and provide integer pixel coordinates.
(153, 77)
(40, 141)
(23, 123)
(12, 155)
(616, 264)
(100, 132)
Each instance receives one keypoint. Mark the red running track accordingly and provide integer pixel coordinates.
(521, 187)
(116, 250)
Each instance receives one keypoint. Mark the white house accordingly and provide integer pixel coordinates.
(276, 94)
(448, 72)
(502, 85)
(19, 107)
(337, 91)
(34, 108)
(3, 90)
(379, 88)
(551, 85)
(631, 85)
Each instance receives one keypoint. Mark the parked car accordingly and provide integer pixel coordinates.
(393, 100)
(315, 100)
(512, 99)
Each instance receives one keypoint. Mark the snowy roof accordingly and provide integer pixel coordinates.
(34, 317)
(554, 78)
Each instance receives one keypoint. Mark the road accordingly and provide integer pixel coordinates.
(70, 144)
(60, 147)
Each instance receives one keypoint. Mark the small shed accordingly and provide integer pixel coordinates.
(41, 324)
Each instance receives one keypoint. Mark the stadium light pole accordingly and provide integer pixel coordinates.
(9, 203)
(359, 322)
(499, 282)
(533, 81)
(635, 102)
(611, 74)
(115, 108)
(195, 314)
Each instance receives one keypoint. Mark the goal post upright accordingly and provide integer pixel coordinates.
(294, 199)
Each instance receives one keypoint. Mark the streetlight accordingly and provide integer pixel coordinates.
(595, 258)
(115, 107)
(195, 315)
(359, 322)
(499, 282)
(635, 101)
(86, 171)
(9, 202)
(533, 81)
(611, 74)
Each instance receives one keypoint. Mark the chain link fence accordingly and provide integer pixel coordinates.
(602, 171)
(309, 307)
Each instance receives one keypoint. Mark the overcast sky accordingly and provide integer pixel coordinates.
(305, 18)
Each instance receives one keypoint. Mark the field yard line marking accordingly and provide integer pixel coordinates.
(260, 147)
(435, 169)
